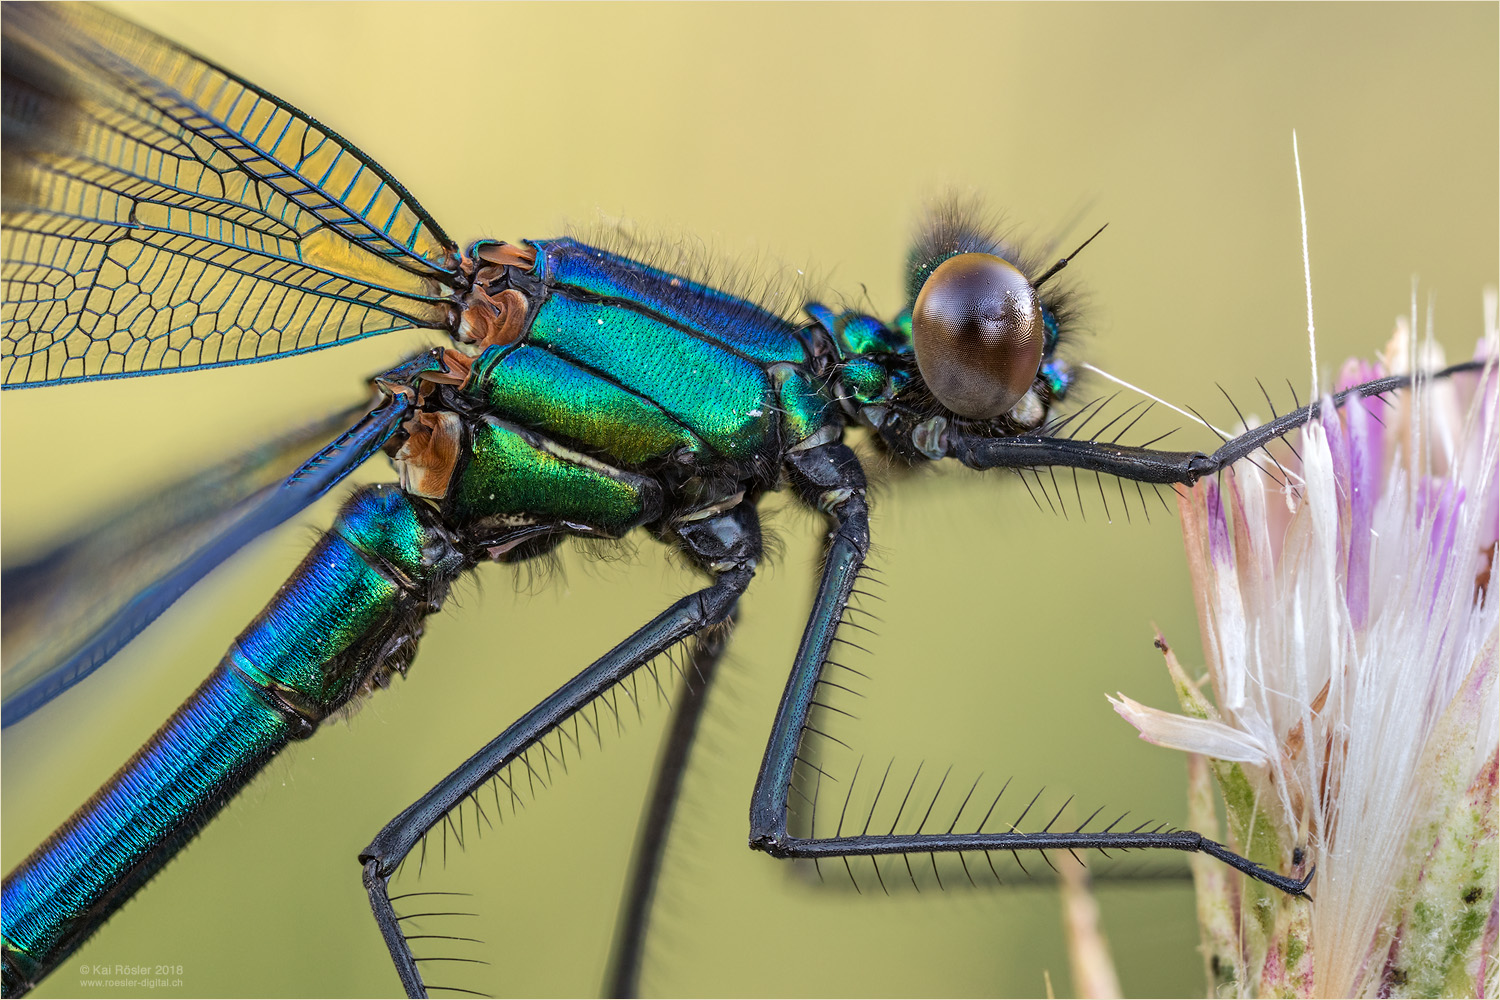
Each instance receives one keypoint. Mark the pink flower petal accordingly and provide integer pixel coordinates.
(1367, 462)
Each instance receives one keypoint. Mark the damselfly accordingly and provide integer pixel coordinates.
(988, 507)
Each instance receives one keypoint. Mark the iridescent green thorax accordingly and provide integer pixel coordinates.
(541, 390)
(656, 360)
(875, 360)
(639, 366)
(515, 476)
(699, 310)
(804, 402)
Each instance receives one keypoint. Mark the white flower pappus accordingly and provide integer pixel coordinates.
(1350, 626)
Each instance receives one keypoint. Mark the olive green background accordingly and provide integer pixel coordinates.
(810, 136)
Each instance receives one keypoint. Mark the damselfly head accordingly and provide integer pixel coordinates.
(978, 332)
(984, 335)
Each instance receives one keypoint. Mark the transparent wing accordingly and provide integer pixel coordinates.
(159, 213)
(68, 610)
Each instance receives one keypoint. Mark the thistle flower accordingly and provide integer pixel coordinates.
(1350, 628)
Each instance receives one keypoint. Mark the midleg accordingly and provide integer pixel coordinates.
(729, 547)
(624, 969)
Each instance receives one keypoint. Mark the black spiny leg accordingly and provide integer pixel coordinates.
(624, 972)
(1146, 465)
(728, 546)
(830, 478)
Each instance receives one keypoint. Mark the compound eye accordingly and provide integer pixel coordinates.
(978, 333)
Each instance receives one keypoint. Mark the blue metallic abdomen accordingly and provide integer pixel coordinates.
(345, 620)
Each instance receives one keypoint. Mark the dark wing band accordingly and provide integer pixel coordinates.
(115, 578)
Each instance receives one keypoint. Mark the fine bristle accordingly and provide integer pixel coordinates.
(756, 277)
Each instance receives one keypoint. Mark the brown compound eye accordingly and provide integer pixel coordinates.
(978, 333)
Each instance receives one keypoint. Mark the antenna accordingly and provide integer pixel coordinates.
(1063, 262)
